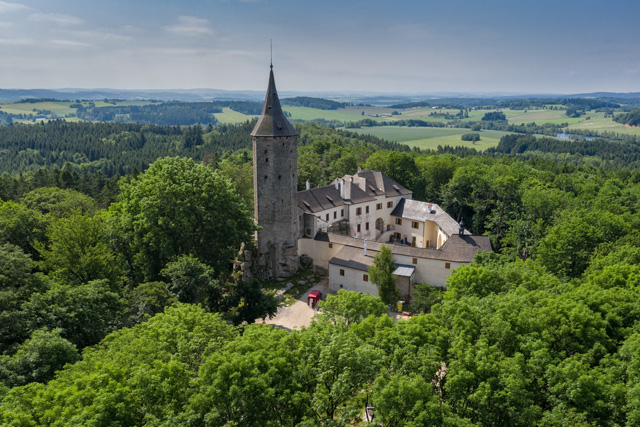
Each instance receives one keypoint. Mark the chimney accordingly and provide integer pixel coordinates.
(461, 229)
(429, 207)
(342, 189)
(365, 247)
(359, 169)
(308, 185)
(337, 183)
(347, 189)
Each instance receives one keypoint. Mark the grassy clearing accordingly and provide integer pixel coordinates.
(430, 138)
(230, 116)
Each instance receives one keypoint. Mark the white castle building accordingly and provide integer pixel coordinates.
(341, 226)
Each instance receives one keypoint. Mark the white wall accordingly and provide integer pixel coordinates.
(351, 281)
(319, 251)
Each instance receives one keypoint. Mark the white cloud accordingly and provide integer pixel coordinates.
(191, 26)
(11, 7)
(56, 18)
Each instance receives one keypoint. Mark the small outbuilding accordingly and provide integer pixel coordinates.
(313, 298)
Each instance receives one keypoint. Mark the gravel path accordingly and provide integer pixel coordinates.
(298, 314)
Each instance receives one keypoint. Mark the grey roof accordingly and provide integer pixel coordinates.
(457, 248)
(272, 121)
(353, 257)
(327, 197)
(377, 184)
(404, 270)
(419, 211)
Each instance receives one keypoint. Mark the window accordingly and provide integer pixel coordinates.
(358, 211)
(366, 225)
(414, 261)
(327, 217)
(378, 206)
(341, 272)
(342, 213)
(330, 245)
(389, 204)
(365, 277)
(335, 214)
(447, 265)
(358, 228)
(399, 221)
(366, 209)
(266, 160)
(265, 177)
(415, 224)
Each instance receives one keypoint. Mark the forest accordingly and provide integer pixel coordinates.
(121, 305)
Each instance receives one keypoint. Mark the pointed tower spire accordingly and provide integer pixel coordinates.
(272, 121)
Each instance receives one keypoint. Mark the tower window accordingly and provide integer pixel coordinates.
(279, 176)
(265, 177)
(266, 160)
(266, 151)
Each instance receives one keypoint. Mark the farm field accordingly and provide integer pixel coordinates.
(430, 138)
(600, 124)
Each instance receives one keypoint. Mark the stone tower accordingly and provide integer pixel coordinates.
(275, 178)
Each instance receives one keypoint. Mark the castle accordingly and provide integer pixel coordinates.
(341, 226)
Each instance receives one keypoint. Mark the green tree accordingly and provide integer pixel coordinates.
(178, 207)
(78, 251)
(39, 357)
(351, 307)
(21, 226)
(381, 274)
(18, 282)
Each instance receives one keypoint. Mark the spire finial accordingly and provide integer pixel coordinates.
(271, 50)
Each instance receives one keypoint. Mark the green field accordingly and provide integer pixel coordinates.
(430, 138)
(231, 117)
(598, 123)
(421, 137)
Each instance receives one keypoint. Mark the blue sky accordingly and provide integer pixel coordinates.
(505, 46)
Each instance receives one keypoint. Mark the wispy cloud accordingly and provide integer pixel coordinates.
(191, 26)
(16, 42)
(11, 7)
(56, 18)
(101, 36)
(71, 44)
